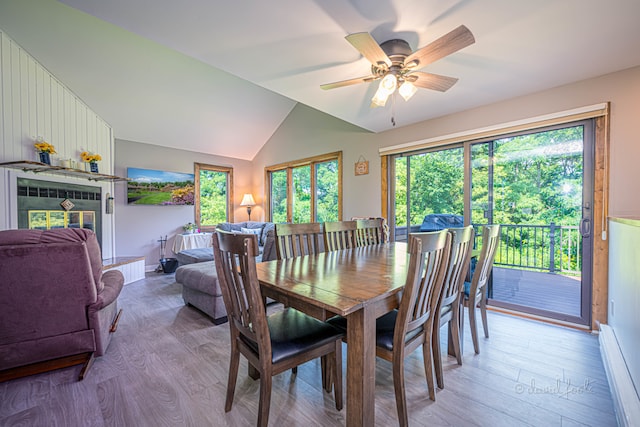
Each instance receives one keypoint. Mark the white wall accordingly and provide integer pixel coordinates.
(33, 103)
(138, 227)
(624, 291)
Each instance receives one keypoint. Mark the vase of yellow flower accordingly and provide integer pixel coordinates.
(45, 150)
(91, 161)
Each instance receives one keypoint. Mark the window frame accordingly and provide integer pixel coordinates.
(225, 169)
(289, 166)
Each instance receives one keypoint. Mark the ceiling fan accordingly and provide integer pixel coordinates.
(393, 63)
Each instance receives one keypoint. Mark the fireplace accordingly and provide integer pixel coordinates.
(45, 205)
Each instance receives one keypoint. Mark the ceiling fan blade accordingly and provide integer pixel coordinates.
(369, 48)
(432, 81)
(349, 82)
(451, 42)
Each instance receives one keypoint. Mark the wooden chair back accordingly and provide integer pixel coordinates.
(340, 235)
(428, 260)
(293, 240)
(459, 261)
(234, 256)
(490, 241)
(299, 338)
(369, 232)
(448, 309)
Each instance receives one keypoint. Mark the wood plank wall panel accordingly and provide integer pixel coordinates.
(34, 103)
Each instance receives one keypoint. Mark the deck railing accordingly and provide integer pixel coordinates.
(553, 248)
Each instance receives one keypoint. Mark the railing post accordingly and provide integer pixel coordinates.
(552, 248)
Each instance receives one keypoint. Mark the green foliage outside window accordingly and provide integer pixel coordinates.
(327, 191)
(301, 194)
(320, 195)
(536, 180)
(436, 185)
(213, 197)
(279, 196)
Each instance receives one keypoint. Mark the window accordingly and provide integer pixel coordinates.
(214, 193)
(307, 190)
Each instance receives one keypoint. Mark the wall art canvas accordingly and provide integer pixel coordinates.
(153, 187)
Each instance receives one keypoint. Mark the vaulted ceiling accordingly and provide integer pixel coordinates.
(221, 77)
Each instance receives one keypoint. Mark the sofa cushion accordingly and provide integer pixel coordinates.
(190, 256)
(200, 276)
(264, 228)
(256, 231)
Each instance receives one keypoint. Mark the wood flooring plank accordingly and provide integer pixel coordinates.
(167, 365)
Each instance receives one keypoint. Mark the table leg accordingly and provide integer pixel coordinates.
(361, 368)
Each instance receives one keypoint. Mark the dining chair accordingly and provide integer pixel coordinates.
(403, 330)
(475, 292)
(448, 308)
(294, 240)
(271, 344)
(340, 235)
(369, 232)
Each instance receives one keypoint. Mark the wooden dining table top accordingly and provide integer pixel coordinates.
(340, 281)
(360, 284)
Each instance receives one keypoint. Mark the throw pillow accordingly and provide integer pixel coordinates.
(255, 231)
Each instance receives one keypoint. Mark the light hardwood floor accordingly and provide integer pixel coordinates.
(167, 366)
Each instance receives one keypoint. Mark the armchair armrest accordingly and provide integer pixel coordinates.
(269, 252)
(113, 281)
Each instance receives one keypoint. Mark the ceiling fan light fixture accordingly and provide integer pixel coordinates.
(407, 90)
(380, 98)
(388, 83)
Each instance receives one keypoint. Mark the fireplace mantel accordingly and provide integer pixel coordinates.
(37, 167)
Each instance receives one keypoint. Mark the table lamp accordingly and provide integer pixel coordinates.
(247, 200)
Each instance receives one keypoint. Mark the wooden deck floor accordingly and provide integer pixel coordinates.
(545, 291)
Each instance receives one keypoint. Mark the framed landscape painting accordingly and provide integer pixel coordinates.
(153, 187)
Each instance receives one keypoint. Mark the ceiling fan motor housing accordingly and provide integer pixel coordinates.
(397, 50)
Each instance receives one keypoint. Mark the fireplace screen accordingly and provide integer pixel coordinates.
(44, 205)
(45, 220)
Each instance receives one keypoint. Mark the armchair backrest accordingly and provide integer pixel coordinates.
(48, 278)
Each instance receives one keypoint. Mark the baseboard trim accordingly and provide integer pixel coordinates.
(623, 392)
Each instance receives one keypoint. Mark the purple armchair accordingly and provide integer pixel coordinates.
(57, 308)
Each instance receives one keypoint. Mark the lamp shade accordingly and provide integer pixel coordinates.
(247, 200)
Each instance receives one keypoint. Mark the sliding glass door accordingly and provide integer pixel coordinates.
(537, 185)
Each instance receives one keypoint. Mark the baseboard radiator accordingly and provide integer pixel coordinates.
(624, 394)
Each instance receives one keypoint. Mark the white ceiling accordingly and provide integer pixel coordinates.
(220, 77)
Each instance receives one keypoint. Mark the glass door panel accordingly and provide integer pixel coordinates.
(532, 185)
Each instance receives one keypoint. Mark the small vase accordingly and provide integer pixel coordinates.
(44, 158)
(94, 167)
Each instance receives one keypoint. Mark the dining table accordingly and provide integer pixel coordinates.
(360, 284)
